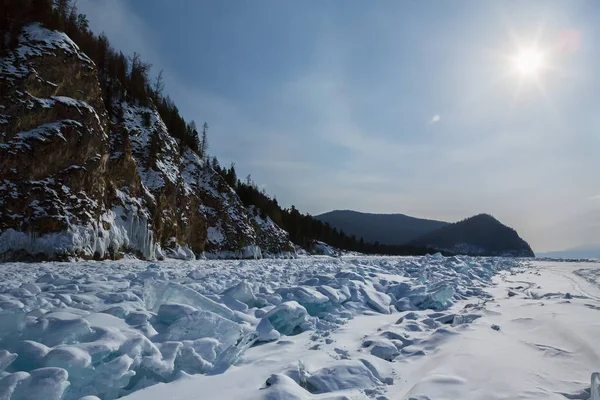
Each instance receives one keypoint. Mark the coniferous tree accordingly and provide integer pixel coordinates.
(158, 85)
(63, 9)
(138, 79)
(215, 165)
(37, 11)
(70, 24)
(203, 150)
(101, 52)
(83, 23)
(231, 175)
(191, 137)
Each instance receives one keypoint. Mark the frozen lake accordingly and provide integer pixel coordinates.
(309, 328)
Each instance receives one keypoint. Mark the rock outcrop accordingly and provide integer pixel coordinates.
(76, 181)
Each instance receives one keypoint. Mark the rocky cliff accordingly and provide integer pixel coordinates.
(76, 181)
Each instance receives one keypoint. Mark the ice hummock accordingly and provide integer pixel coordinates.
(40, 384)
(158, 293)
(241, 292)
(288, 318)
(595, 387)
(114, 328)
(202, 324)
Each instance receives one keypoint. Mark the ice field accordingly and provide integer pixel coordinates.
(307, 328)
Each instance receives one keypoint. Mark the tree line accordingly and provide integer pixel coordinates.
(304, 229)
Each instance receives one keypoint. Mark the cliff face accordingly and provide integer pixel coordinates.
(76, 181)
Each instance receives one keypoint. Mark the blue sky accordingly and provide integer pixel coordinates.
(390, 106)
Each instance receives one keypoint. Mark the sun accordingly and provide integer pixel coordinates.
(528, 61)
(530, 64)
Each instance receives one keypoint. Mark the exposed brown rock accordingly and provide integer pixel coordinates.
(75, 181)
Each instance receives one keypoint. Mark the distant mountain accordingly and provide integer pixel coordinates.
(389, 229)
(481, 235)
(579, 252)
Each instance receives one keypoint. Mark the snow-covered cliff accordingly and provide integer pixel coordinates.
(77, 181)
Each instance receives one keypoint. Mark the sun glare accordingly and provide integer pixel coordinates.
(528, 61)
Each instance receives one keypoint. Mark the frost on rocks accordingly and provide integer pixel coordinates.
(36, 41)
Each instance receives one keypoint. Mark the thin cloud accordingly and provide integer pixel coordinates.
(354, 156)
(126, 30)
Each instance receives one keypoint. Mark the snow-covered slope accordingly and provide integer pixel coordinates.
(76, 181)
(309, 328)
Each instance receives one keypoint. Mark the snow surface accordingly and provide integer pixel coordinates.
(309, 328)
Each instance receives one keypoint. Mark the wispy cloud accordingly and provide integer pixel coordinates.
(435, 119)
(596, 197)
(125, 28)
